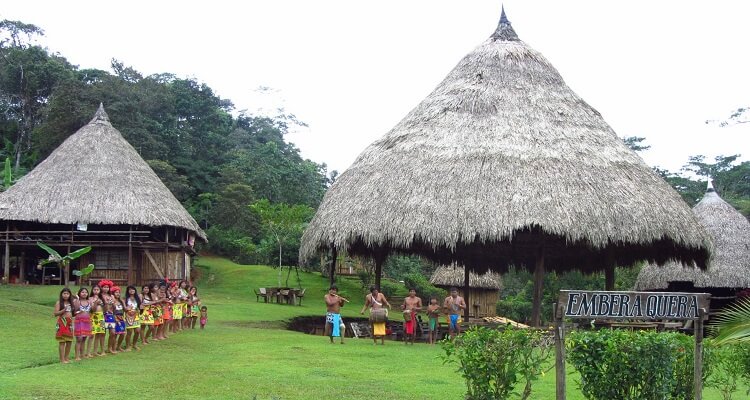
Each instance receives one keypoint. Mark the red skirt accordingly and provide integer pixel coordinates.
(82, 326)
(64, 333)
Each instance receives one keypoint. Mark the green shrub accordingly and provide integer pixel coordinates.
(389, 288)
(515, 308)
(624, 365)
(728, 365)
(491, 361)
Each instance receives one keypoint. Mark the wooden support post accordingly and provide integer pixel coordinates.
(561, 385)
(466, 294)
(379, 259)
(334, 255)
(166, 253)
(131, 270)
(538, 286)
(22, 269)
(66, 271)
(6, 262)
(609, 277)
(698, 355)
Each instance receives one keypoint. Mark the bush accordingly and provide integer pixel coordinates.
(389, 288)
(492, 361)
(515, 308)
(727, 365)
(232, 244)
(623, 365)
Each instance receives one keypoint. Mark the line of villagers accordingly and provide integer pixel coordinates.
(157, 311)
(378, 305)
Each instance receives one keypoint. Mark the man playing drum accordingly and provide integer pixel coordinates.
(379, 306)
(412, 305)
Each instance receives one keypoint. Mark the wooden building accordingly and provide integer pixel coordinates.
(484, 290)
(96, 190)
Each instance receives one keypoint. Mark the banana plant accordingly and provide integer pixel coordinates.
(64, 261)
(732, 325)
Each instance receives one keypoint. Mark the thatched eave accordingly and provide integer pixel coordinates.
(453, 276)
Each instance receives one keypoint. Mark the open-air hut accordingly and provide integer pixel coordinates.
(484, 289)
(96, 190)
(729, 267)
(504, 164)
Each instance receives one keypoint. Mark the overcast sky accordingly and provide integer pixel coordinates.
(352, 69)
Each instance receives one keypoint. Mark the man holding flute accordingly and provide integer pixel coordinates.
(334, 324)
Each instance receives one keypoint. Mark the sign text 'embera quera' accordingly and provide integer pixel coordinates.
(635, 305)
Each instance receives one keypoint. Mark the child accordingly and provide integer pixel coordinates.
(204, 316)
(433, 312)
(147, 315)
(97, 323)
(115, 345)
(82, 322)
(195, 303)
(132, 318)
(64, 314)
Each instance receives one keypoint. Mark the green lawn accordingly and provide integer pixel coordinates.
(243, 352)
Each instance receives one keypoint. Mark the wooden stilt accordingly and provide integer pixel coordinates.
(334, 255)
(379, 260)
(609, 277)
(561, 385)
(538, 287)
(6, 263)
(466, 293)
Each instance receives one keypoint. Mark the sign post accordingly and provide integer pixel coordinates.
(580, 304)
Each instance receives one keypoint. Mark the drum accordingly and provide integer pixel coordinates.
(378, 315)
(407, 315)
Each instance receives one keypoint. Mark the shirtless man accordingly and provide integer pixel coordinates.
(412, 305)
(376, 301)
(334, 323)
(454, 306)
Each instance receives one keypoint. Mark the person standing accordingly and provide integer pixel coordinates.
(379, 306)
(433, 315)
(334, 324)
(64, 313)
(82, 322)
(412, 305)
(454, 306)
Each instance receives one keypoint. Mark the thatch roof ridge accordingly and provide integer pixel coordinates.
(500, 148)
(729, 267)
(453, 275)
(96, 177)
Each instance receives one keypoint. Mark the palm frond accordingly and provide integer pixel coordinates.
(733, 323)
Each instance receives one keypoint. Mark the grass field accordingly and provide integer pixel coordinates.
(244, 352)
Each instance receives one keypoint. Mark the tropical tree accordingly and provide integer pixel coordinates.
(64, 261)
(733, 323)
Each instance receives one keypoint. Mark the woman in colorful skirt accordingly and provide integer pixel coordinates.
(158, 311)
(176, 307)
(109, 312)
(147, 315)
(96, 342)
(64, 313)
(132, 318)
(82, 322)
(167, 307)
(195, 303)
(119, 320)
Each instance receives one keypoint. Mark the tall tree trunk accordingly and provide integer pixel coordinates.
(335, 255)
(538, 289)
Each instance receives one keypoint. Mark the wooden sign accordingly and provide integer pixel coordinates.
(631, 305)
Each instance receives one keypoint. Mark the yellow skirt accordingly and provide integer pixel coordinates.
(177, 311)
(378, 329)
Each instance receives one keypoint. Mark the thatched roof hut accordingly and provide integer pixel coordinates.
(729, 266)
(96, 190)
(448, 276)
(503, 164)
(95, 177)
(481, 293)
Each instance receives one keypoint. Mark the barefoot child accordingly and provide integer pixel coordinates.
(96, 342)
(195, 303)
(116, 345)
(64, 314)
(132, 318)
(147, 315)
(433, 315)
(204, 316)
(334, 323)
(82, 322)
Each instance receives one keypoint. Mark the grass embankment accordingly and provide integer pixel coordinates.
(243, 352)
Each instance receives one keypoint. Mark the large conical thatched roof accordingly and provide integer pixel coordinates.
(729, 266)
(95, 177)
(500, 159)
(453, 276)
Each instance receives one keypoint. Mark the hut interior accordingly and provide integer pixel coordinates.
(481, 293)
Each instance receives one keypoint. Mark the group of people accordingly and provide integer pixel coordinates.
(130, 318)
(453, 306)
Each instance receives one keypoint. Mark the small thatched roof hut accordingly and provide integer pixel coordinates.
(484, 289)
(503, 164)
(729, 266)
(95, 177)
(96, 190)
